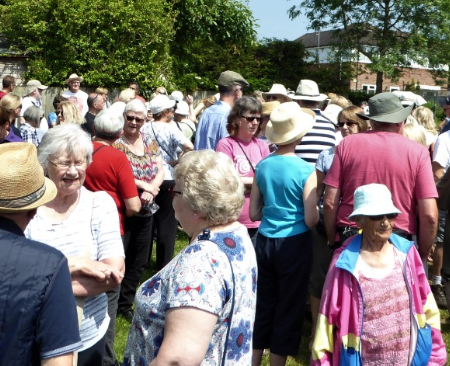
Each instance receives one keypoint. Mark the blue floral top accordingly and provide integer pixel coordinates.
(200, 276)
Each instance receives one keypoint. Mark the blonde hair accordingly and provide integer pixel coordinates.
(415, 133)
(10, 102)
(211, 185)
(339, 100)
(71, 112)
(127, 95)
(425, 118)
(102, 90)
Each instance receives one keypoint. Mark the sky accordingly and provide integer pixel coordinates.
(273, 19)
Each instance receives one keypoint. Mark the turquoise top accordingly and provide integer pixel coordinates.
(281, 180)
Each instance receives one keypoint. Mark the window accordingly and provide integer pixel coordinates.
(369, 88)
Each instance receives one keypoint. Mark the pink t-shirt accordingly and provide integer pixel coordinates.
(387, 158)
(256, 150)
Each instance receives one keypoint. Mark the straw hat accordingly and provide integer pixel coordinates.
(268, 107)
(22, 181)
(386, 107)
(277, 89)
(289, 123)
(372, 200)
(73, 77)
(308, 90)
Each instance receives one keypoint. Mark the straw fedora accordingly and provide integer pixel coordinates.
(372, 200)
(23, 185)
(386, 107)
(288, 123)
(308, 90)
(268, 107)
(277, 89)
(73, 77)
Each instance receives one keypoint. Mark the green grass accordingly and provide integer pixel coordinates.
(122, 326)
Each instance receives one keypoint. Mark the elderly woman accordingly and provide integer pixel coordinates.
(84, 226)
(69, 112)
(173, 143)
(377, 307)
(283, 197)
(111, 172)
(13, 105)
(203, 301)
(246, 151)
(146, 164)
(30, 129)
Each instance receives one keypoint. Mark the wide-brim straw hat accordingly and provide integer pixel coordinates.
(386, 107)
(277, 89)
(372, 200)
(22, 181)
(288, 123)
(73, 77)
(308, 90)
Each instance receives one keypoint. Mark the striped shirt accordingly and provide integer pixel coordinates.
(319, 138)
(96, 221)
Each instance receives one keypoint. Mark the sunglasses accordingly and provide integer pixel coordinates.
(251, 119)
(381, 217)
(134, 118)
(271, 97)
(173, 192)
(348, 123)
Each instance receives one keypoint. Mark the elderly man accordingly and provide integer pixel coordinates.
(32, 96)
(75, 94)
(322, 135)
(8, 85)
(212, 125)
(96, 103)
(383, 156)
(38, 318)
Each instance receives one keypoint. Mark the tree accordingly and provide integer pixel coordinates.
(398, 31)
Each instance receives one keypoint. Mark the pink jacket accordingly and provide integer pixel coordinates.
(337, 340)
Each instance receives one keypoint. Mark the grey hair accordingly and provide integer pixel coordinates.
(211, 185)
(33, 115)
(136, 106)
(67, 139)
(108, 125)
(127, 95)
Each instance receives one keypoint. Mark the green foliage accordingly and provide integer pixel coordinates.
(399, 31)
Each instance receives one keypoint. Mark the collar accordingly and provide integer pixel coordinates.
(10, 226)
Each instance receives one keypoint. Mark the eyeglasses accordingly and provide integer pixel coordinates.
(271, 97)
(173, 192)
(348, 123)
(252, 118)
(65, 165)
(134, 118)
(381, 217)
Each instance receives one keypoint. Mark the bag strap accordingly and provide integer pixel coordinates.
(162, 147)
(207, 237)
(99, 148)
(251, 165)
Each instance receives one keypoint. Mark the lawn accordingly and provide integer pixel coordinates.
(122, 326)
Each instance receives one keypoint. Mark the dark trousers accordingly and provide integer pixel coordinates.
(284, 267)
(137, 245)
(165, 224)
(109, 358)
(93, 356)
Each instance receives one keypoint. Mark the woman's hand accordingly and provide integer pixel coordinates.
(147, 197)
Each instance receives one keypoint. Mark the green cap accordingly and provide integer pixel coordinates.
(230, 78)
(386, 107)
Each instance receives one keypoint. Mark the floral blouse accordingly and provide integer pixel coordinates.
(201, 276)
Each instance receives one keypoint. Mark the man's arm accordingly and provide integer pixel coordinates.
(428, 221)
(330, 210)
(64, 360)
(438, 171)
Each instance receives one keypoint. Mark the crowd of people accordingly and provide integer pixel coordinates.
(284, 195)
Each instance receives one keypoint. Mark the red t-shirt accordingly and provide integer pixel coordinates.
(110, 171)
(387, 158)
(2, 94)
